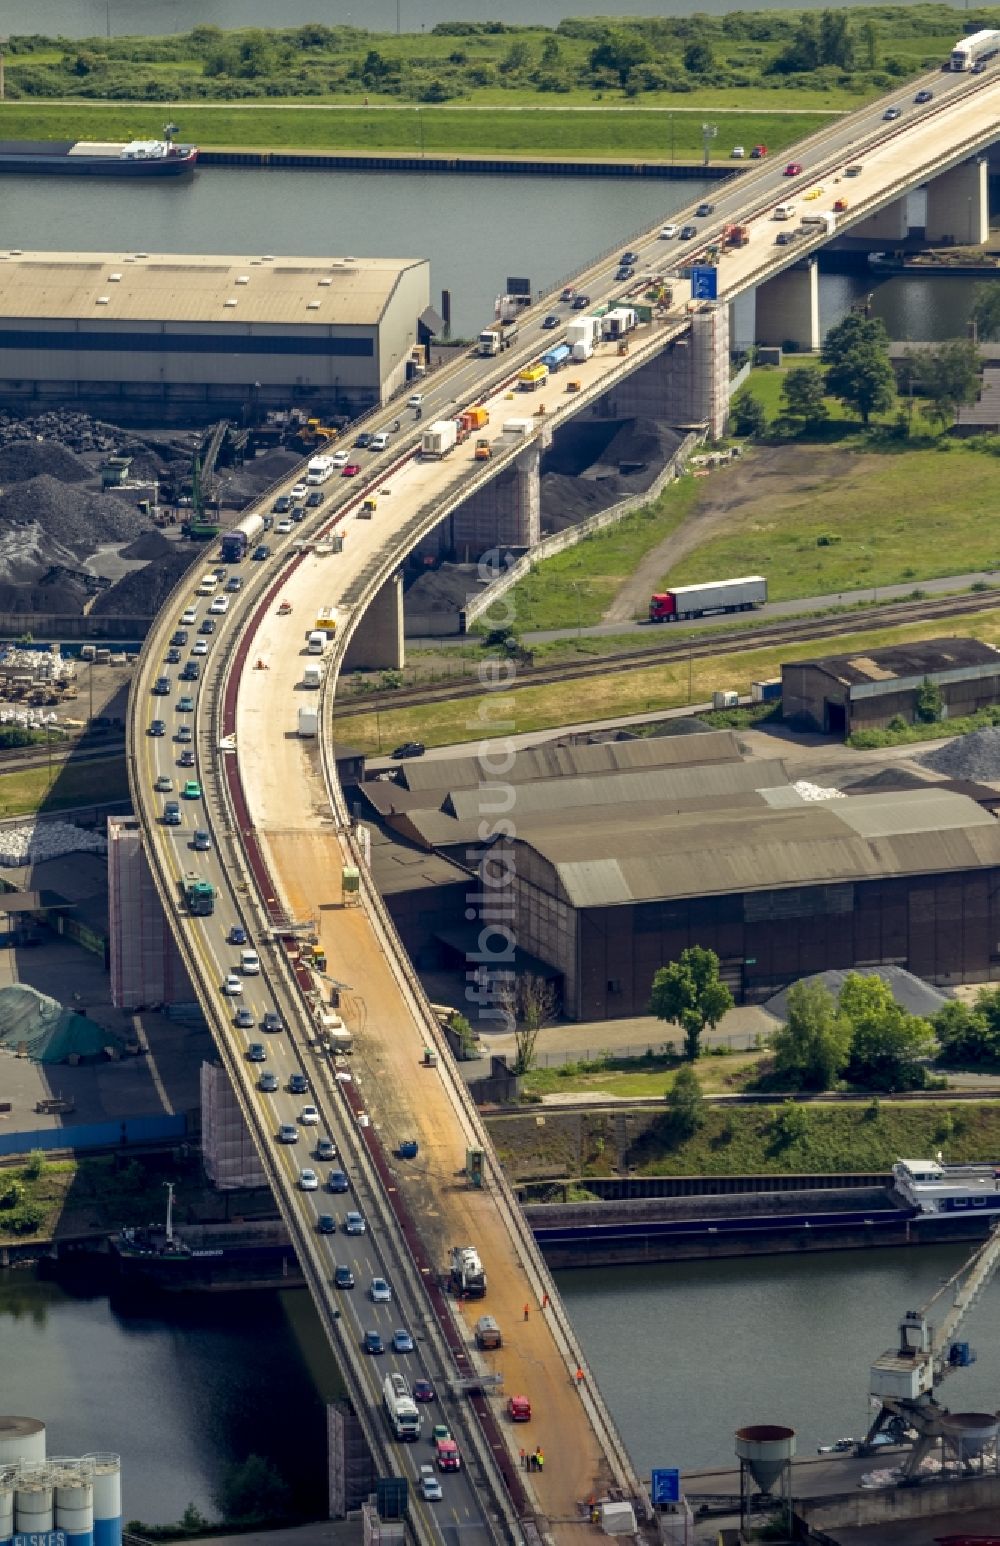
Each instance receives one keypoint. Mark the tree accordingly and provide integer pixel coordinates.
(685, 1104)
(251, 1491)
(985, 314)
(620, 52)
(531, 1003)
(813, 1047)
(949, 375)
(801, 54)
(690, 993)
(803, 394)
(856, 353)
(836, 46)
(550, 53)
(929, 702)
(516, 59)
(749, 414)
(888, 1045)
(869, 32)
(698, 59)
(966, 1035)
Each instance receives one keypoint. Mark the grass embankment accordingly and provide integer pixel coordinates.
(63, 785)
(619, 693)
(648, 1077)
(432, 131)
(45, 1198)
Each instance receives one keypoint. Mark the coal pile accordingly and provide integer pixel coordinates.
(61, 426)
(143, 592)
(975, 757)
(69, 517)
(26, 459)
(625, 464)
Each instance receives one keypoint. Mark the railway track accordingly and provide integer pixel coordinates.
(701, 648)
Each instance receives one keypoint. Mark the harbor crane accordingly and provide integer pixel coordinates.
(904, 1379)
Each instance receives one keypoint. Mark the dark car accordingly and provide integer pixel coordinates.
(261, 552)
(191, 672)
(628, 257)
(892, 113)
(157, 727)
(705, 209)
(372, 1342)
(207, 626)
(173, 657)
(551, 321)
(423, 1390)
(179, 636)
(409, 749)
(581, 302)
(186, 759)
(268, 1082)
(282, 505)
(233, 584)
(271, 1022)
(325, 1149)
(625, 272)
(257, 1052)
(924, 96)
(363, 441)
(337, 1181)
(343, 1278)
(237, 935)
(785, 238)
(687, 231)
(298, 512)
(298, 1084)
(326, 1224)
(315, 499)
(161, 687)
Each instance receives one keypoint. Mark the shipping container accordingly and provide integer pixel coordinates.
(555, 359)
(439, 438)
(719, 596)
(766, 692)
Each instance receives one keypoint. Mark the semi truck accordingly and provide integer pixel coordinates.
(439, 439)
(581, 335)
(199, 895)
(475, 418)
(468, 1280)
(319, 469)
(401, 1409)
(615, 324)
(740, 595)
(240, 537)
(821, 220)
(974, 50)
(555, 359)
(497, 337)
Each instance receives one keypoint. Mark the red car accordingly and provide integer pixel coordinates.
(793, 169)
(351, 470)
(519, 1409)
(423, 1390)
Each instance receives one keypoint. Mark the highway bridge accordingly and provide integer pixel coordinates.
(281, 837)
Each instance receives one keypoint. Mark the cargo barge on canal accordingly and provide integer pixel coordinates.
(98, 158)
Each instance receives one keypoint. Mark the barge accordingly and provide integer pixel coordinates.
(98, 158)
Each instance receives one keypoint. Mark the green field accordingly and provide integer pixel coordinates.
(618, 693)
(64, 784)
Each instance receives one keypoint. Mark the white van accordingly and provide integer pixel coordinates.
(208, 584)
(316, 641)
(783, 212)
(379, 441)
(312, 676)
(249, 963)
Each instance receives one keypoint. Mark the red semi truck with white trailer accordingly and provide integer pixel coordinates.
(696, 600)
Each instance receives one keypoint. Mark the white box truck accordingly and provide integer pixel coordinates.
(308, 722)
(615, 324)
(582, 335)
(312, 675)
(320, 468)
(439, 438)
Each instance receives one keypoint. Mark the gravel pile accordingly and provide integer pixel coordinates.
(38, 840)
(26, 459)
(143, 592)
(975, 757)
(71, 518)
(67, 426)
(152, 544)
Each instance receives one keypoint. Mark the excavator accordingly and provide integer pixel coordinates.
(904, 1379)
(314, 432)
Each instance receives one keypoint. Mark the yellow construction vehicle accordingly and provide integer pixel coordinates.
(313, 431)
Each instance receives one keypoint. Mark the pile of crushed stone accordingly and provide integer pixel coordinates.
(68, 517)
(975, 757)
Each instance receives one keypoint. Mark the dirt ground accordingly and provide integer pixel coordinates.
(760, 477)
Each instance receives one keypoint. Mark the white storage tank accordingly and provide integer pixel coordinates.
(107, 1499)
(21, 1438)
(74, 1501)
(34, 1503)
(6, 1505)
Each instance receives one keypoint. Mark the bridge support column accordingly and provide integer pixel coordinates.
(958, 205)
(788, 308)
(377, 642)
(890, 224)
(506, 513)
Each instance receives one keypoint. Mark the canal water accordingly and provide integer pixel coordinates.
(475, 230)
(683, 1353)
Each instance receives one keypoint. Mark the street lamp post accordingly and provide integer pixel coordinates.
(708, 133)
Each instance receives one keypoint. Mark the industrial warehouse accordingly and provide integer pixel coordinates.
(153, 338)
(628, 852)
(839, 694)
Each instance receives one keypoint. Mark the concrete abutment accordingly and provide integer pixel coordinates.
(788, 308)
(377, 642)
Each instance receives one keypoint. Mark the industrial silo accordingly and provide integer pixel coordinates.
(7, 1477)
(21, 1438)
(107, 1499)
(34, 1505)
(73, 1499)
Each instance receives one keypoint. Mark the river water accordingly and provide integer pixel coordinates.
(683, 1354)
(119, 18)
(474, 230)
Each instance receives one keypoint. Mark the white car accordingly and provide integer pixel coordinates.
(430, 1487)
(200, 647)
(189, 616)
(737, 153)
(340, 458)
(299, 491)
(309, 1116)
(308, 1181)
(380, 441)
(416, 401)
(283, 528)
(380, 1292)
(232, 984)
(220, 605)
(666, 232)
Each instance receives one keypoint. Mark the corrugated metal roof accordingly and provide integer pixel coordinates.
(652, 785)
(922, 657)
(756, 849)
(124, 287)
(556, 759)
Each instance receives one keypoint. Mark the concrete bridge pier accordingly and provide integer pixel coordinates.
(377, 642)
(507, 511)
(890, 224)
(788, 308)
(686, 383)
(958, 205)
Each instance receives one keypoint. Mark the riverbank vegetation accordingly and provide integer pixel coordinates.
(44, 1198)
